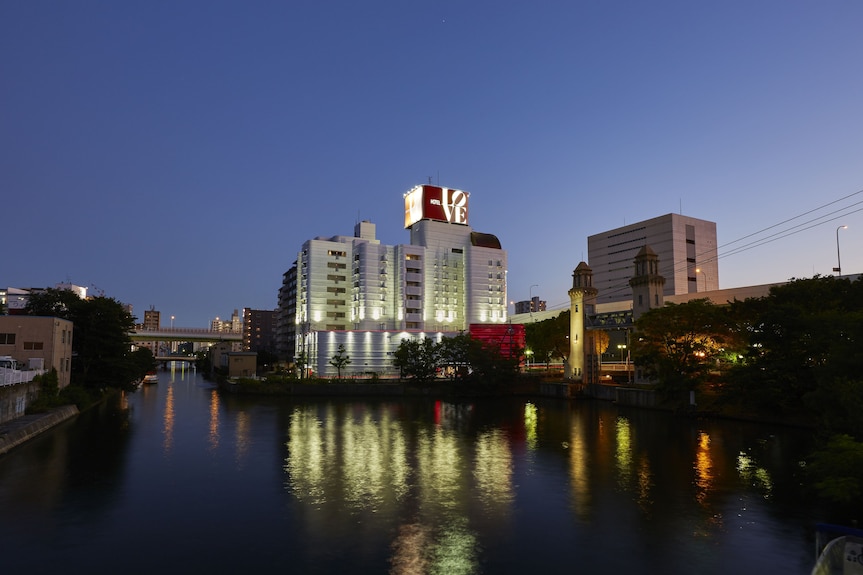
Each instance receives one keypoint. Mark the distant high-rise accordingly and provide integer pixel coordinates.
(685, 246)
(258, 333)
(152, 319)
(530, 305)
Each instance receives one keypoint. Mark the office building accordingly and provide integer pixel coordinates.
(531, 305)
(685, 246)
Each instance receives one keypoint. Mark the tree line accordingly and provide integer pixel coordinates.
(102, 352)
(795, 355)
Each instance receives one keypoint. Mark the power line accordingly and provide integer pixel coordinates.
(797, 228)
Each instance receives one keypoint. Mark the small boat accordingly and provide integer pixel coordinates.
(151, 377)
(839, 550)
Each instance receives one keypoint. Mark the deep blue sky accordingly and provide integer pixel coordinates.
(177, 154)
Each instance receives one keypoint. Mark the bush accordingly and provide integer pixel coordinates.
(79, 396)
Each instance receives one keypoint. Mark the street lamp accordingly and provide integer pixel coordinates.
(172, 322)
(838, 268)
(621, 347)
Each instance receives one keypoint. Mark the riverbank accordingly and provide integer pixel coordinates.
(21, 429)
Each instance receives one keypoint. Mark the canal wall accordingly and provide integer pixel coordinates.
(17, 431)
(14, 399)
(636, 397)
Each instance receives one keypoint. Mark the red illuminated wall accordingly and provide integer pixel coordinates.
(509, 337)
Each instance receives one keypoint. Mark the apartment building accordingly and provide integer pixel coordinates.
(355, 291)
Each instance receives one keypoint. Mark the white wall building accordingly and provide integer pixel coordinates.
(355, 291)
(686, 248)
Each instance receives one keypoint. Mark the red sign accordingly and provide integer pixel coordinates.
(435, 203)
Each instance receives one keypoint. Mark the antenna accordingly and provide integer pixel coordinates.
(430, 178)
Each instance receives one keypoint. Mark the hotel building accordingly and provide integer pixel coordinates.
(355, 291)
(685, 246)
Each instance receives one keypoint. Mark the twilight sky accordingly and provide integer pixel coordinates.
(178, 154)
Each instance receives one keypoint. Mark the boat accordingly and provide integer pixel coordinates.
(839, 550)
(151, 377)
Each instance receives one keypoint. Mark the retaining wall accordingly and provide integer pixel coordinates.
(29, 426)
(14, 399)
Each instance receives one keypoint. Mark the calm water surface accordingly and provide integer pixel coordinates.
(177, 478)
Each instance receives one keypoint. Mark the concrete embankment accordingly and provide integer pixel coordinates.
(21, 429)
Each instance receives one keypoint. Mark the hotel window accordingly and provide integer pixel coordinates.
(33, 345)
(7, 339)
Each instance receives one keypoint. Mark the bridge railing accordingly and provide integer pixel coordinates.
(181, 330)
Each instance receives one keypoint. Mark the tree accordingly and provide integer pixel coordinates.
(549, 339)
(340, 360)
(454, 355)
(417, 359)
(677, 345)
(803, 339)
(101, 344)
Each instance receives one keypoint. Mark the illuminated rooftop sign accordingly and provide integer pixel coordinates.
(435, 203)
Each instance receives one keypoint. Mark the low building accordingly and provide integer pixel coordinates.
(36, 342)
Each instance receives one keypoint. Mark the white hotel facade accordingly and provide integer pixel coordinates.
(355, 291)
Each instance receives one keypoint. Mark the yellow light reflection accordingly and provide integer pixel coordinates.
(410, 550)
(645, 483)
(493, 471)
(623, 452)
(364, 461)
(439, 468)
(703, 469)
(168, 429)
(579, 469)
(306, 465)
(214, 420)
(530, 424)
(455, 550)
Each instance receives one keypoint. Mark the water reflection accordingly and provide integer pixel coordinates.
(752, 474)
(168, 418)
(579, 467)
(493, 471)
(703, 468)
(407, 486)
(530, 424)
(623, 452)
(213, 435)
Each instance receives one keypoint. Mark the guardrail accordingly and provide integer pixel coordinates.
(14, 376)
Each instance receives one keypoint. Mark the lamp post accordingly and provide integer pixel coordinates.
(838, 268)
(172, 322)
(621, 347)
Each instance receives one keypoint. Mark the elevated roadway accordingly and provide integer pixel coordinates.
(183, 334)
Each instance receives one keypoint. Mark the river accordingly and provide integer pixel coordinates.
(178, 478)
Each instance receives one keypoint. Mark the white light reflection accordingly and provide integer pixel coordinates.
(623, 451)
(530, 424)
(754, 475)
(364, 462)
(493, 471)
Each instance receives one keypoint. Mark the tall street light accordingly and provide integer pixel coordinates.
(838, 268)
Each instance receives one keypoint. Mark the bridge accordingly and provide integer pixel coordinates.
(184, 334)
